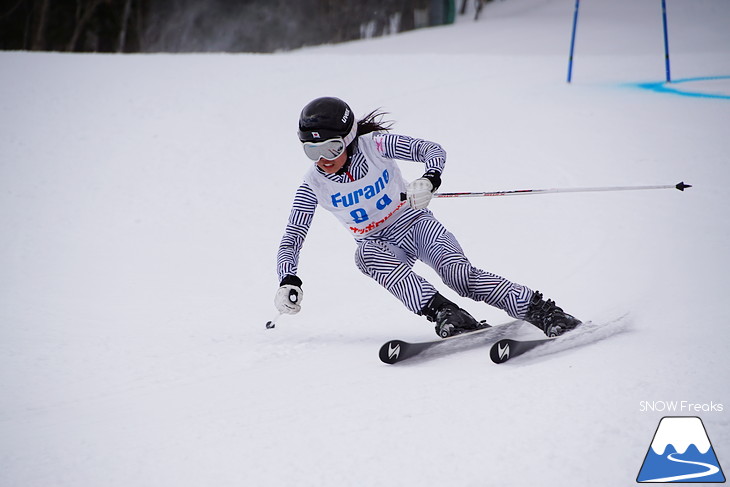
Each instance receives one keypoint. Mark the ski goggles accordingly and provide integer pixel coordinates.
(329, 149)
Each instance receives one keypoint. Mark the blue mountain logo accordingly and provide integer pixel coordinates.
(681, 452)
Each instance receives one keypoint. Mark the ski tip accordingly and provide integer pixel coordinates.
(500, 351)
(681, 186)
(391, 351)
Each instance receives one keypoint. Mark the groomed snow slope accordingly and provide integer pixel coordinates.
(142, 199)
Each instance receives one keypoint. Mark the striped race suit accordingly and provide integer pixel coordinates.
(391, 236)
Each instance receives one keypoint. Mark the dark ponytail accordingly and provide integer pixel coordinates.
(373, 122)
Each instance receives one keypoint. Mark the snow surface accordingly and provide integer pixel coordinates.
(142, 199)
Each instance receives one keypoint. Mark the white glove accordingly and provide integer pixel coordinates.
(419, 193)
(288, 299)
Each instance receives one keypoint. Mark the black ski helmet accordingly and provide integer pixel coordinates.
(326, 118)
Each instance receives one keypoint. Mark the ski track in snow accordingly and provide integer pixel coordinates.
(588, 333)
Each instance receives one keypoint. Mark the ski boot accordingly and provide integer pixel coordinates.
(550, 318)
(449, 318)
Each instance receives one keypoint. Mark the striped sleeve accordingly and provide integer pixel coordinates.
(300, 218)
(417, 150)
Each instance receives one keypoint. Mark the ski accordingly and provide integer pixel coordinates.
(508, 348)
(396, 351)
(502, 347)
(588, 332)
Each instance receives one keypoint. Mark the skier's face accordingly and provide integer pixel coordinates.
(331, 167)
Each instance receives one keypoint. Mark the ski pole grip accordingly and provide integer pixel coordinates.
(403, 196)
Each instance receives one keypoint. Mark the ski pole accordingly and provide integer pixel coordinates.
(517, 192)
(271, 324)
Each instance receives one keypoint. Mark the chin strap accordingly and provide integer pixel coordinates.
(345, 169)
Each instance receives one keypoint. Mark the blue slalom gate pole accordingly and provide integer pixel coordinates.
(666, 41)
(572, 40)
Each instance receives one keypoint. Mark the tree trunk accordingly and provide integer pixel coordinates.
(125, 23)
(83, 14)
(39, 39)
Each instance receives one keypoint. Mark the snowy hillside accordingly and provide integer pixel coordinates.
(142, 199)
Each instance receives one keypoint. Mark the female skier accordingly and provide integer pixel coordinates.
(355, 177)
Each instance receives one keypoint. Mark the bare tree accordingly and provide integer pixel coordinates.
(123, 28)
(39, 40)
(84, 12)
